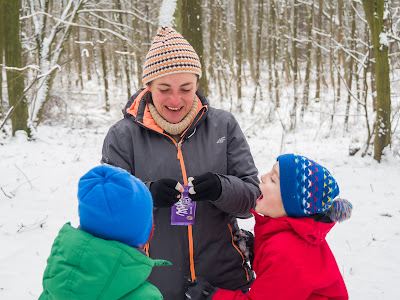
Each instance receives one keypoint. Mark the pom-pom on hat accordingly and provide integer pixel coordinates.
(114, 205)
(308, 188)
(170, 53)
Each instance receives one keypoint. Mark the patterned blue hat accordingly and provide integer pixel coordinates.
(308, 188)
(114, 205)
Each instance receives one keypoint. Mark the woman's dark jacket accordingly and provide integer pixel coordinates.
(214, 143)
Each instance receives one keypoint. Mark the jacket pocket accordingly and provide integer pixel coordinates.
(239, 242)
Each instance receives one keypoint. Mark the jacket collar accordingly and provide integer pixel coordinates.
(312, 231)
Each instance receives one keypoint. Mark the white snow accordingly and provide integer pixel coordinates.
(167, 10)
(38, 187)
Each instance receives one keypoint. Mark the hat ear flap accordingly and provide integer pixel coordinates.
(340, 210)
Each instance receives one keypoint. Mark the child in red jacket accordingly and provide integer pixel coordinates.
(296, 210)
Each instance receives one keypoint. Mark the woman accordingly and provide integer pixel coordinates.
(169, 133)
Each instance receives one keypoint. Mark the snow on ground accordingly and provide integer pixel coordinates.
(38, 181)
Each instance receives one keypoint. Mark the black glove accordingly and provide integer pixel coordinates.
(200, 289)
(206, 187)
(164, 192)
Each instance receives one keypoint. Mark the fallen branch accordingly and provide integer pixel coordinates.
(6, 194)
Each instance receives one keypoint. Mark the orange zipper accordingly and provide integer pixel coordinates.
(190, 228)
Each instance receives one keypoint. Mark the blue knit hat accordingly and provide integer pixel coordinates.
(114, 205)
(308, 188)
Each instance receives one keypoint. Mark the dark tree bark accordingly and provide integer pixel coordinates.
(13, 58)
(191, 24)
(374, 13)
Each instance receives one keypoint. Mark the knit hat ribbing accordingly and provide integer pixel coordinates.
(308, 188)
(114, 205)
(170, 53)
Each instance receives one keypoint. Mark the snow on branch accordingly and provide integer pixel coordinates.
(79, 25)
(167, 10)
(349, 53)
(33, 67)
(49, 71)
(125, 53)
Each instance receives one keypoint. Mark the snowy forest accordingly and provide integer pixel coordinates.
(319, 78)
(340, 54)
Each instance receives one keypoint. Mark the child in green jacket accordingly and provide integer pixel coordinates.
(104, 258)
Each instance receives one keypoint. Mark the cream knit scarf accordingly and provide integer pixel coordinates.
(172, 128)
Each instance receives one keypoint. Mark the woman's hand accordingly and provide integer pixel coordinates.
(166, 192)
(200, 289)
(205, 187)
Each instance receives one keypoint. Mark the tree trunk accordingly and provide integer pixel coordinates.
(270, 38)
(374, 13)
(125, 58)
(249, 38)
(260, 12)
(13, 58)
(318, 52)
(51, 44)
(105, 71)
(239, 50)
(306, 90)
(339, 52)
(350, 69)
(293, 117)
(1, 56)
(191, 22)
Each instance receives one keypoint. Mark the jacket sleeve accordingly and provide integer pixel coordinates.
(118, 148)
(240, 184)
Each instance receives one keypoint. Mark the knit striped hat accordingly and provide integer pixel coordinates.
(308, 188)
(170, 53)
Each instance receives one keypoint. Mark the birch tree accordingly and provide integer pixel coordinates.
(51, 41)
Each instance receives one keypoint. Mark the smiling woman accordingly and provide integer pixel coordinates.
(170, 133)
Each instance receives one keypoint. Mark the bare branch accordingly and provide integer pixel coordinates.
(116, 11)
(24, 176)
(80, 25)
(5, 193)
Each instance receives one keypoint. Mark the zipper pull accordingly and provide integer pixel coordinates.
(179, 154)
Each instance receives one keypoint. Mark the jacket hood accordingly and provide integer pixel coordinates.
(311, 231)
(82, 266)
(137, 108)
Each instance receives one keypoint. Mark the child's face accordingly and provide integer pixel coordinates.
(270, 202)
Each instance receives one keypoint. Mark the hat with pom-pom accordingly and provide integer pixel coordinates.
(308, 188)
(114, 205)
(170, 53)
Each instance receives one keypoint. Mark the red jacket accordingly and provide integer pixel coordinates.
(292, 261)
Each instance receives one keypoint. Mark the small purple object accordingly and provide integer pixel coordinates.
(183, 211)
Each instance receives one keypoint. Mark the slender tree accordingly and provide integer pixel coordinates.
(1, 56)
(306, 89)
(375, 11)
(239, 50)
(293, 116)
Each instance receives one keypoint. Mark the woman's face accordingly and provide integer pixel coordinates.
(270, 202)
(173, 95)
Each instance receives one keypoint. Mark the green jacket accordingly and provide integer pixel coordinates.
(82, 266)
